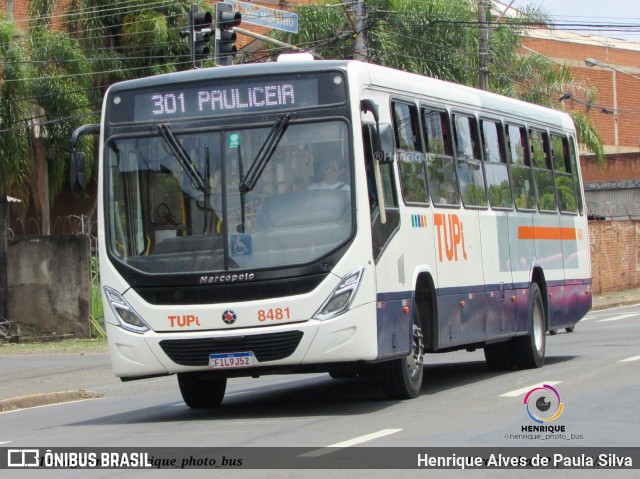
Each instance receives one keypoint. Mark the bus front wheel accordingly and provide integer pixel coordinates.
(402, 378)
(200, 390)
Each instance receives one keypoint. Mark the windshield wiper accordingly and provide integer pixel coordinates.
(265, 153)
(183, 158)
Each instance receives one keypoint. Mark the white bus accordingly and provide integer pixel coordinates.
(331, 216)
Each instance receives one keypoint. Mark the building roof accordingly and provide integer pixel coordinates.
(546, 33)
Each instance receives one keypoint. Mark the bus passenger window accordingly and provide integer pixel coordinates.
(538, 150)
(441, 167)
(521, 177)
(564, 180)
(470, 171)
(495, 166)
(405, 127)
(516, 145)
(543, 176)
(413, 177)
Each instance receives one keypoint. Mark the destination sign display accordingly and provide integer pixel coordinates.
(218, 97)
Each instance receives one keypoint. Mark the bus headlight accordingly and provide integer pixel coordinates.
(341, 296)
(128, 318)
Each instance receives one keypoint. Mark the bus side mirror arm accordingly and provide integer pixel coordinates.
(369, 106)
(77, 163)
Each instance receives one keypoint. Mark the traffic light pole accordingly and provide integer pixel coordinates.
(273, 41)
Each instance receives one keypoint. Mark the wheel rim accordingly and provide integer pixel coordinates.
(538, 328)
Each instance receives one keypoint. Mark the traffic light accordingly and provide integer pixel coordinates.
(200, 28)
(225, 42)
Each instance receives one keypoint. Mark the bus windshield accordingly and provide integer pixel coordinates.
(178, 201)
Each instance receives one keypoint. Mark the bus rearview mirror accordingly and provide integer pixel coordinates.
(78, 172)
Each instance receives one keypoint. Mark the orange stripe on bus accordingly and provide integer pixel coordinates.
(546, 233)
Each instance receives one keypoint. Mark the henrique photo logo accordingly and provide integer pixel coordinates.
(543, 404)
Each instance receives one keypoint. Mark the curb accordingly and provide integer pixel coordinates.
(615, 304)
(46, 399)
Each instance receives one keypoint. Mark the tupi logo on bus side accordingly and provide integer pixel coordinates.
(451, 232)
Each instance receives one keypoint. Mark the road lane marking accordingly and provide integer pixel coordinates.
(634, 358)
(350, 442)
(617, 318)
(4, 442)
(525, 390)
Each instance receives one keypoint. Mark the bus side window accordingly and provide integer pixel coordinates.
(518, 160)
(542, 173)
(470, 171)
(573, 160)
(495, 165)
(413, 177)
(405, 127)
(562, 169)
(441, 167)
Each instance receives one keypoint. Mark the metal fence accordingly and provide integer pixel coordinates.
(610, 211)
(61, 225)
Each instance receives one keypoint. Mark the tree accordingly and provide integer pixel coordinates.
(14, 142)
(55, 75)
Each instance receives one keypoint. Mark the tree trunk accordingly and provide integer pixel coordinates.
(39, 185)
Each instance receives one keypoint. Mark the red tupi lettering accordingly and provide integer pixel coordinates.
(451, 232)
(184, 320)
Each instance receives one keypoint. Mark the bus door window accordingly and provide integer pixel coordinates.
(380, 232)
(543, 175)
(518, 160)
(495, 165)
(562, 172)
(409, 156)
(470, 171)
(441, 167)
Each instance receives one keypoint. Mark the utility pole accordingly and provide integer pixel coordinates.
(483, 47)
(360, 47)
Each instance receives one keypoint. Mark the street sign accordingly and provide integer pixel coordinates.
(266, 17)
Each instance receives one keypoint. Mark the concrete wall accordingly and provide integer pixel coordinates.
(50, 283)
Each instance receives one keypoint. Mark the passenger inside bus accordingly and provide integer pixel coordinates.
(331, 178)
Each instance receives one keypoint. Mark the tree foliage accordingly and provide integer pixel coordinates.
(54, 74)
(14, 111)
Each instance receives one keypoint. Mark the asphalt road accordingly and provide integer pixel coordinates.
(595, 370)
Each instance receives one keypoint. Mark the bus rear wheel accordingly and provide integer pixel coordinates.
(529, 350)
(200, 390)
(402, 378)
